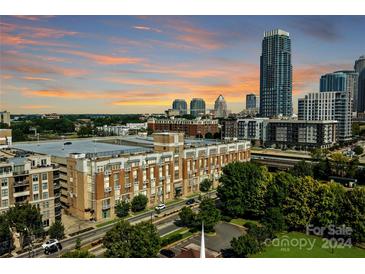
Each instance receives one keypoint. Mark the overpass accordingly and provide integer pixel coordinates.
(278, 159)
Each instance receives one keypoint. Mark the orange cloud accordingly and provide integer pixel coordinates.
(36, 106)
(37, 78)
(102, 59)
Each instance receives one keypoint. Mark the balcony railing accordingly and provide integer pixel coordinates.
(21, 183)
(127, 185)
(107, 189)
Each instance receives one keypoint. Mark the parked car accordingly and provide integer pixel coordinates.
(190, 202)
(51, 246)
(167, 253)
(160, 207)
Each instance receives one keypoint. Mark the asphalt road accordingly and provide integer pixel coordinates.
(164, 226)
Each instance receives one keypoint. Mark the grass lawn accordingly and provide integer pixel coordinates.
(107, 222)
(320, 249)
(241, 222)
(174, 201)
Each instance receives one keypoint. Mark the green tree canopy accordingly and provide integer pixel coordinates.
(208, 214)
(122, 209)
(242, 189)
(358, 150)
(57, 230)
(139, 203)
(127, 241)
(187, 217)
(301, 169)
(205, 185)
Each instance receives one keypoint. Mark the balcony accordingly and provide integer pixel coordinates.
(107, 189)
(127, 185)
(18, 173)
(21, 193)
(21, 183)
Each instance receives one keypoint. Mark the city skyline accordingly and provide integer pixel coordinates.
(138, 64)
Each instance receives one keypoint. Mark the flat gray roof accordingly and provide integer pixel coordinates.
(57, 148)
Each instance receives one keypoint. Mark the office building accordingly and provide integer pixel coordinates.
(180, 105)
(220, 107)
(197, 107)
(28, 177)
(5, 117)
(192, 128)
(276, 75)
(99, 174)
(360, 69)
(251, 102)
(328, 106)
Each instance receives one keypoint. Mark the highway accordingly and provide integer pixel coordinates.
(164, 225)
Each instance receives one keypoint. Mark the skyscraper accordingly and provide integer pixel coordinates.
(251, 101)
(180, 105)
(220, 107)
(342, 80)
(360, 69)
(276, 74)
(197, 107)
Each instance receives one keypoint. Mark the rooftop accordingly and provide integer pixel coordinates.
(101, 146)
(59, 149)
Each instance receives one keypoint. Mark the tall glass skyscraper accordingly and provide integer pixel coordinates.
(251, 101)
(360, 68)
(333, 82)
(180, 105)
(276, 75)
(197, 107)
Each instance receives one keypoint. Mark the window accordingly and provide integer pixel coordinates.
(44, 176)
(116, 178)
(35, 187)
(45, 186)
(44, 162)
(45, 223)
(46, 204)
(35, 178)
(5, 203)
(4, 192)
(35, 197)
(45, 195)
(4, 182)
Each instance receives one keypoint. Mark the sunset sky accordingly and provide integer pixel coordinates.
(139, 64)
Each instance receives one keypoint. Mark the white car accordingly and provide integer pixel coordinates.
(160, 207)
(50, 243)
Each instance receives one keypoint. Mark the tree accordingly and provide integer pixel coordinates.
(358, 150)
(245, 245)
(139, 203)
(127, 241)
(78, 243)
(242, 189)
(57, 230)
(274, 218)
(187, 217)
(298, 205)
(78, 254)
(205, 185)
(122, 209)
(353, 213)
(6, 237)
(319, 154)
(208, 135)
(322, 169)
(301, 169)
(26, 220)
(328, 204)
(339, 164)
(208, 214)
